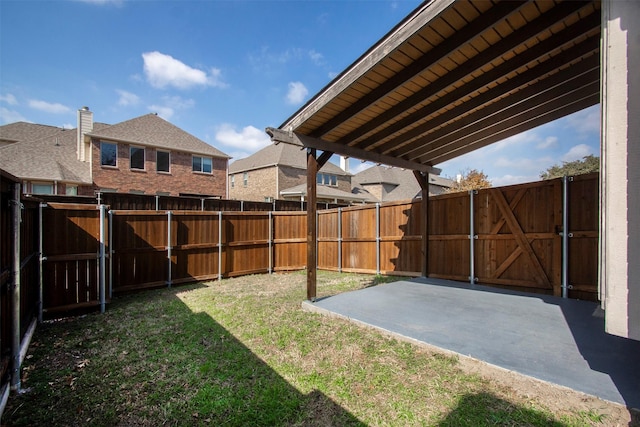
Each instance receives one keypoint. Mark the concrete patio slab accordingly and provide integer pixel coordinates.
(561, 341)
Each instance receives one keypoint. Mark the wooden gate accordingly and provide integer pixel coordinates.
(71, 257)
(517, 234)
(517, 240)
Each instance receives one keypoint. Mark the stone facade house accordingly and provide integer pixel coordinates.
(279, 171)
(144, 155)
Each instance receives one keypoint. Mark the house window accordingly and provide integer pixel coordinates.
(108, 154)
(233, 181)
(202, 164)
(245, 179)
(327, 179)
(41, 188)
(162, 161)
(136, 158)
(71, 190)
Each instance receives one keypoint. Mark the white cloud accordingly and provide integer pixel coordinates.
(513, 179)
(127, 98)
(8, 116)
(316, 57)
(357, 166)
(9, 99)
(48, 107)
(266, 61)
(586, 121)
(171, 104)
(297, 92)
(249, 139)
(548, 142)
(577, 152)
(164, 70)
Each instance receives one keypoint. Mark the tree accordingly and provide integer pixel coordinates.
(471, 179)
(588, 164)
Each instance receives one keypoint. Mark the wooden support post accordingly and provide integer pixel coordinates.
(312, 171)
(423, 180)
(314, 164)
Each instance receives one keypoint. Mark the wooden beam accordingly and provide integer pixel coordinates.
(312, 171)
(423, 181)
(281, 136)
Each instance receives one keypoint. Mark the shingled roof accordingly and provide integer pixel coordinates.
(324, 192)
(49, 158)
(406, 185)
(280, 155)
(153, 131)
(23, 131)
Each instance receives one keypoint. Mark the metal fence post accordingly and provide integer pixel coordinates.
(340, 240)
(15, 290)
(472, 239)
(270, 242)
(42, 259)
(169, 247)
(219, 245)
(377, 238)
(565, 236)
(110, 254)
(102, 261)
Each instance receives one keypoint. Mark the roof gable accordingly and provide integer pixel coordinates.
(152, 130)
(280, 155)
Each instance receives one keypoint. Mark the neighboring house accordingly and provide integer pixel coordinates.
(146, 155)
(279, 171)
(387, 184)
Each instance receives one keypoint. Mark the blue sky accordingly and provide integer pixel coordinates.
(222, 70)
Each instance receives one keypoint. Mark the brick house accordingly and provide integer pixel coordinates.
(146, 155)
(279, 171)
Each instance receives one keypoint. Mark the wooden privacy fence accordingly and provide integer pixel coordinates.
(510, 236)
(196, 246)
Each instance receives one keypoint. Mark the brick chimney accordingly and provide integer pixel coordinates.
(85, 125)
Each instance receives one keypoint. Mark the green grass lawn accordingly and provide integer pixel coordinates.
(242, 352)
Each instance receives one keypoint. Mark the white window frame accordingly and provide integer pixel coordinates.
(42, 184)
(202, 166)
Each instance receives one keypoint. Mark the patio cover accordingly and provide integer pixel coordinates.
(452, 77)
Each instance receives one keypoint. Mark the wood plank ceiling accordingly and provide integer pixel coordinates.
(455, 76)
